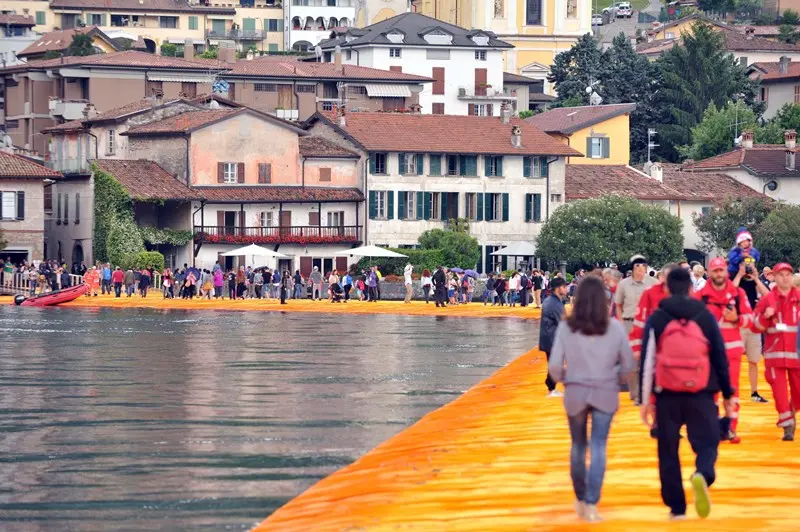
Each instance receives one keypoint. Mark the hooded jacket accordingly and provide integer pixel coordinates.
(683, 307)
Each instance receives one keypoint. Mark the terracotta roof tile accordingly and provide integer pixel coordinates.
(313, 146)
(447, 134)
(583, 181)
(738, 41)
(125, 59)
(183, 123)
(112, 114)
(146, 180)
(771, 71)
(72, 125)
(762, 159)
(16, 166)
(516, 79)
(283, 67)
(245, 193)
(138, 5)
(656, 47)
(17, 20)
(723, 160)
(567, 120)
(706, 186)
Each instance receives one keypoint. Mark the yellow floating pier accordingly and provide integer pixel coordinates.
(497, 458)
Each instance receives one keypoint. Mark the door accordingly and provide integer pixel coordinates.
(480, 82)
(285, 100)
(341, 264)
(230, 222)
(393, 104)
(305, 266)
(286, 222)
(328, 266)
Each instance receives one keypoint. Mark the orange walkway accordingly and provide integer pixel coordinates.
(415, 308)
(497, 459)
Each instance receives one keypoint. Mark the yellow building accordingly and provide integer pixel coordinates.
(601, 132)
(40, 10)
(538, 29)
(369, 12)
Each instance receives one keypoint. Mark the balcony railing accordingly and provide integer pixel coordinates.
(70, 166)
(295, 234)
(237, 35)
(482, 93)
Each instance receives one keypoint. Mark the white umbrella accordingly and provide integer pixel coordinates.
(370, 251)
(254, 251)
(517, 249)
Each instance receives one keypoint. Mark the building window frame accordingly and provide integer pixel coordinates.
(379, 163)
(395, 52)
(111, 142)
(230, 175)
(480, 55)
(381, 204)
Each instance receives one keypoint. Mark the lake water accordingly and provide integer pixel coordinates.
(152, 420)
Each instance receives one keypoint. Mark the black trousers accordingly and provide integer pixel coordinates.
(440, 295)
(283, 295)
(117, 289)
(549, 382)
(523, 297)
(371, 293)
(347, 289)
(700, 415)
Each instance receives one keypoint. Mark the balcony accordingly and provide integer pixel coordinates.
(237, 35)
(295, 234)
(482, 93)
(70, 166)
(67, 109)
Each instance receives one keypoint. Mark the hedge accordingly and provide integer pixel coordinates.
(421, 259)
(150, 259)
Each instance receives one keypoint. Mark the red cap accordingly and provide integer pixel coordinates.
(717, 264)
(783, 267)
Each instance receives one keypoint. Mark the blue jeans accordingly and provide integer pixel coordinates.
(587, 487)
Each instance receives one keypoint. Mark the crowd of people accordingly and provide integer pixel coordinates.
(675, 339)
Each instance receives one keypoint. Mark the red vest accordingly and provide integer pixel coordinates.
(780, 331)
(716, 301)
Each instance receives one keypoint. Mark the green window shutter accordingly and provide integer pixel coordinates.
(104, 19)
(486, 165)
(462, 164)
(371, 163)
(249, 24)
(472, 165)
(390, 205)
(528, 207)
(273, 47)
(545, 168)
(280, 25)
(480, 207)
(526, 167)
(606, 144)
(443, 211)
(537, 207)
(400, 157)
(426, 205)
(40, 18)
(265, 22)
(436, 164)
(505, 206)
(455, 203)
(500, 165)
(487, 206)
(401, 205)
(420, 209)
(193, 22)
(588, 146)
(420, 163)
(373, 205)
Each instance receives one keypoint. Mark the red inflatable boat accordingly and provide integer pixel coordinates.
(52, 298)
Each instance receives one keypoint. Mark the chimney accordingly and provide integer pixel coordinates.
(89, 112)
(505, 113)
(789, 160)
(657, 172)
(790, 137)
(783, 64)
(188, 49)
(342, 120)
(337, 57)
(415, 108)
(747, 139)
(230, 56)
(516, 136)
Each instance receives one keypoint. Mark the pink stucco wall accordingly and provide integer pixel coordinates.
(344, 172)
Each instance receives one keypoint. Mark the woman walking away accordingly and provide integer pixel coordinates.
(231, 276)
(425, 281)
(592, 357)
(219, 281)
(144, 282)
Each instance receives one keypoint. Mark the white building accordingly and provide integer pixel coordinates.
(466, 65)
(311, 21)
(504, 176)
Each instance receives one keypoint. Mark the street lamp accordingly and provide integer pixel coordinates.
(771, 185)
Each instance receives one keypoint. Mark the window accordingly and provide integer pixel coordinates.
(704, 211)
(192, 22)
(381, 205)
(324, 174)
(12, 124)
(533, 207)
(764, 94)
(12, 205)
(480, 55)
(407, 205)
(58, 209)
(306, 88)
(555, 198)
(48, 199)
(111, 142)
(472, 206)
(493, 165)
(273, 25)
(743, 61)
(410, 163)
(377, 163)
(336, 219)
(480, 109)
(168, 22)
(436, 54)
(572, 8)
(95, 20)
(797, 94)
(670, 35)
(534, 167)
(358, 89)
(273, 47)
(436, 204)
(452, 165)
(40, 18)
(533, 12)
(597, 147)
(435, 164)
(77, 208)
(66, 209)
(493, 207)
(437, 73)
(327, 106)
(437, 108)
(189, 89)
(348, 55)
(266, 218)
(395, 52)
(265, 172)
(229, 173)
(265, 87)
(462, 165)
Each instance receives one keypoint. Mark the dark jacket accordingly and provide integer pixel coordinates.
(439, 279)
(684, 307)
(552, 310)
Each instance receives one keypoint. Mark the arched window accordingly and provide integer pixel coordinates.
(320, 23)
(296, 23)
(333, 23)
(344, 23)
(310, 24)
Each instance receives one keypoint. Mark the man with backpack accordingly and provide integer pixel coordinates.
(524, 289)
(683, 365)
(552, 313)
(730, 307)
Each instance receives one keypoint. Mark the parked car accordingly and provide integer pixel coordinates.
(597, 19)
(619, 10)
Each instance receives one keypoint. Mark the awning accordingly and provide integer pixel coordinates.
(382, 90)
(188, 77)
(182, 40)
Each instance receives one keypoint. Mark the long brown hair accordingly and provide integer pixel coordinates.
(590, 313)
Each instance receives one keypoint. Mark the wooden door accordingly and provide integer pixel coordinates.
(313, 219)
(285, 97)
(341, 264)
(480, 82)
(285, 222)
(305, 266)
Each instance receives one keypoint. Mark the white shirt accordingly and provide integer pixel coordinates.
(407, 273)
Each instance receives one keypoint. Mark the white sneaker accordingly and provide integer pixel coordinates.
(591, 514)
(555, 393)
(580, 509)
(673, 517)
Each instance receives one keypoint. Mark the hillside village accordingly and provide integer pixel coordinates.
(312, 128)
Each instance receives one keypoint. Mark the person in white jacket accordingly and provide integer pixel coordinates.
(408, 282)
(514, 285)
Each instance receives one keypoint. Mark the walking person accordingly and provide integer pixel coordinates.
(598, 359)
(408, 282)
(298, 285)
(347, 285)
(144, 282)
(286, 280)
(106, 289)
(219, 281)
(552, 313)
(117, 277)
(130, 283)
(514, 286)
(372, 285)
(683, 366)
(316, 284)
(439, 281)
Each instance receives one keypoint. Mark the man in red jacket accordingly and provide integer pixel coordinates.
(776, 316)
(648, 304)
(730, 307)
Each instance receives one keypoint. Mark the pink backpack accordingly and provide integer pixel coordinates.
(682, 358)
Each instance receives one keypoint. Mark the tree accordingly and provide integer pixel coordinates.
(81, 45)
(575, 69)
(790, 17)
(458, 247)
(715, 133)
(51, 54)
(169, 50)
(693, 76)
(211, 53)
(717, 229)
(3, 241)
(778, 237)
(788, 34)
(610, 229)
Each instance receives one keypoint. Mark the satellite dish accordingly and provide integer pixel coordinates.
(595, 99)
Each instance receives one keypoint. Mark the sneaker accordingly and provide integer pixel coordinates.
(788, 433)
(580, 509)
(733, 438)
(702, 500)
(676, 517)
(591, 514)
(555, 393)
(756, 398)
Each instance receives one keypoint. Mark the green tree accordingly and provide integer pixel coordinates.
(458, 247)
(124, 243)
(526, 113)
(715, 133)
(717, 229)
(81, 45)
(692, 77)
(51, 54)
(610, 229)
(790, 17)
(778, 237)
(169, 50)
(788, 34)
(575, 69)
(211, 53)
(3, 241)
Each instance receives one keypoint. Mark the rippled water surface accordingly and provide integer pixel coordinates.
(151, 420)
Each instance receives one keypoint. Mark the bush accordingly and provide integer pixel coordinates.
(124, 243)
(421, 259)
(150, 259)
(169, 50)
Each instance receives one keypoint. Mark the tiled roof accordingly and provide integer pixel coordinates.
(540, 97)
(245, 193)
(760, 31)
(706, 186)
(403, 132)
(656, 47)
(16, 166)
(125, 59)
(771, 71)
(762, 159)
(313, 146)
(583, 181)
(737, 41)
(203, 99)
(117, 113)
(516, 79)
(138, 5)
(55, 41)
(72, 125)
(17, 20)
(146, 180)
(182, 123)
(291, 68)
(567, 120)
